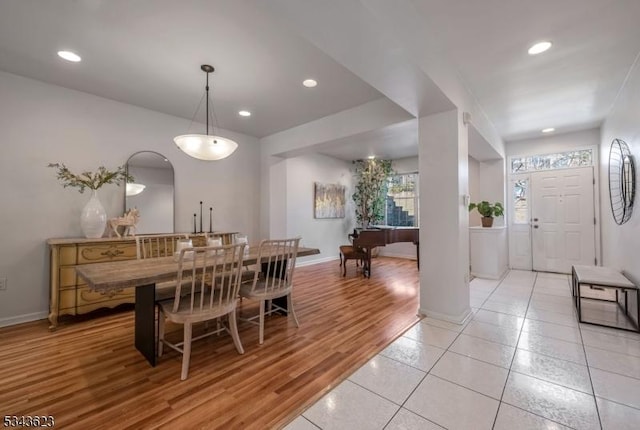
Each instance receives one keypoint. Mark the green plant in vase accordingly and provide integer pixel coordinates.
(93, 181)
(93, 218)
(488, 211)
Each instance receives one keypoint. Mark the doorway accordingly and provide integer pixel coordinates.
(552, 222)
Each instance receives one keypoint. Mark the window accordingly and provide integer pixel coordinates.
(561, 160)
(520, 205)
(402, 200)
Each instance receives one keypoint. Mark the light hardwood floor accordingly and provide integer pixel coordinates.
(88, 374)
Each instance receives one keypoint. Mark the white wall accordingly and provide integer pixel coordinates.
(43, 123)
(492, 184)
(474, 190)
(621, 244)
(325, 234)
(444, 227)
(553, 143)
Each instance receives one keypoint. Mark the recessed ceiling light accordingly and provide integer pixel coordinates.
(539, 48)
(70, 56)
(244, 113)
(548, 130)
(309, 83)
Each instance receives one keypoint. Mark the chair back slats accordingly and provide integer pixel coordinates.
(211, 277)
(157, 245)
(276, 261)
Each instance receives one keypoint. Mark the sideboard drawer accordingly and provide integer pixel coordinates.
(85, 296)
(108, 252)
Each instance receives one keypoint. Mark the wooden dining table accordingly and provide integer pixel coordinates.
(143, 275)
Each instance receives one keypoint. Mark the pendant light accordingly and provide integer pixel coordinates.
(205, 146)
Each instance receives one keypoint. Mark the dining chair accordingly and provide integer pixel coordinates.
(213, 275)
(248, 273)
(156, 246)
(273, 279)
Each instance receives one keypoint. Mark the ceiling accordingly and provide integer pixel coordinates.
(148, 53)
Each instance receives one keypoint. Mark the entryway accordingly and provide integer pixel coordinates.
(552, 222)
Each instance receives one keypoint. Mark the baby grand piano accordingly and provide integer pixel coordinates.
(368, 239)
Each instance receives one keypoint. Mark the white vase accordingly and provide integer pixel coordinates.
(93, 218)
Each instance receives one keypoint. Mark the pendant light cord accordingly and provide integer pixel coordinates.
(207, 89)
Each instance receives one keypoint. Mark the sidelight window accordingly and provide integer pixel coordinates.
(520, 201)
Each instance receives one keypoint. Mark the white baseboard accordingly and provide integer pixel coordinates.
(316, 261)
(396, 255)
(460, 319)
(19, 319)
(490, 275)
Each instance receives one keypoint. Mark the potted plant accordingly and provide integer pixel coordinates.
(93, 218)
(488, 211)
(371, 190)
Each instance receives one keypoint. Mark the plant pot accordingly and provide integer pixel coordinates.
(487, 221)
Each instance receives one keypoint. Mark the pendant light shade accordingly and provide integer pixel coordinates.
(133, 189)
(205, 146)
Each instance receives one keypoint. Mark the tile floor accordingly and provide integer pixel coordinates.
(522, 362)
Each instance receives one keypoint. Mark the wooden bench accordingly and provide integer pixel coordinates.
(349, 252)
(604, 278)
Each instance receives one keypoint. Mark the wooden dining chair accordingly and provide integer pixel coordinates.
(206, 289)
(273, 279)
(156, 246)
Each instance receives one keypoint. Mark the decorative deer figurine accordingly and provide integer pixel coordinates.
(128, 221)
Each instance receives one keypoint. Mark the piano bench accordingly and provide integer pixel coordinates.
(348, 252)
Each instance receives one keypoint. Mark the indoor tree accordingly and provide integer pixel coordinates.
(371, 190)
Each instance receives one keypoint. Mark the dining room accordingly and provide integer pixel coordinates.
(244, 121)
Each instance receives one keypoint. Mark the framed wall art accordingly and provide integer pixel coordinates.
(329, 200)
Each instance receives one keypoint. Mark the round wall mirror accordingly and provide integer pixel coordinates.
(622, 181)
(151, 192)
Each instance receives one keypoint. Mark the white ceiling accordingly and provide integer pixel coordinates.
(570, 87)
(148, 53)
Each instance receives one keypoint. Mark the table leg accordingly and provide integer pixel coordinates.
(578, 303)
(626, 309)
(145, 325)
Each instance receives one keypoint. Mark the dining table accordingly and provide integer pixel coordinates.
(144, 274)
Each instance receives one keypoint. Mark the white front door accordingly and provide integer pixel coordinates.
(562, 219)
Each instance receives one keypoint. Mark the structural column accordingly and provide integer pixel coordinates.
(444, 217)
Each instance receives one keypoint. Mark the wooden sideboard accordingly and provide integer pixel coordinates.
(69, 295)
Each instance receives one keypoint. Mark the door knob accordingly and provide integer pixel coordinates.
(535, 219)
(535, 226)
